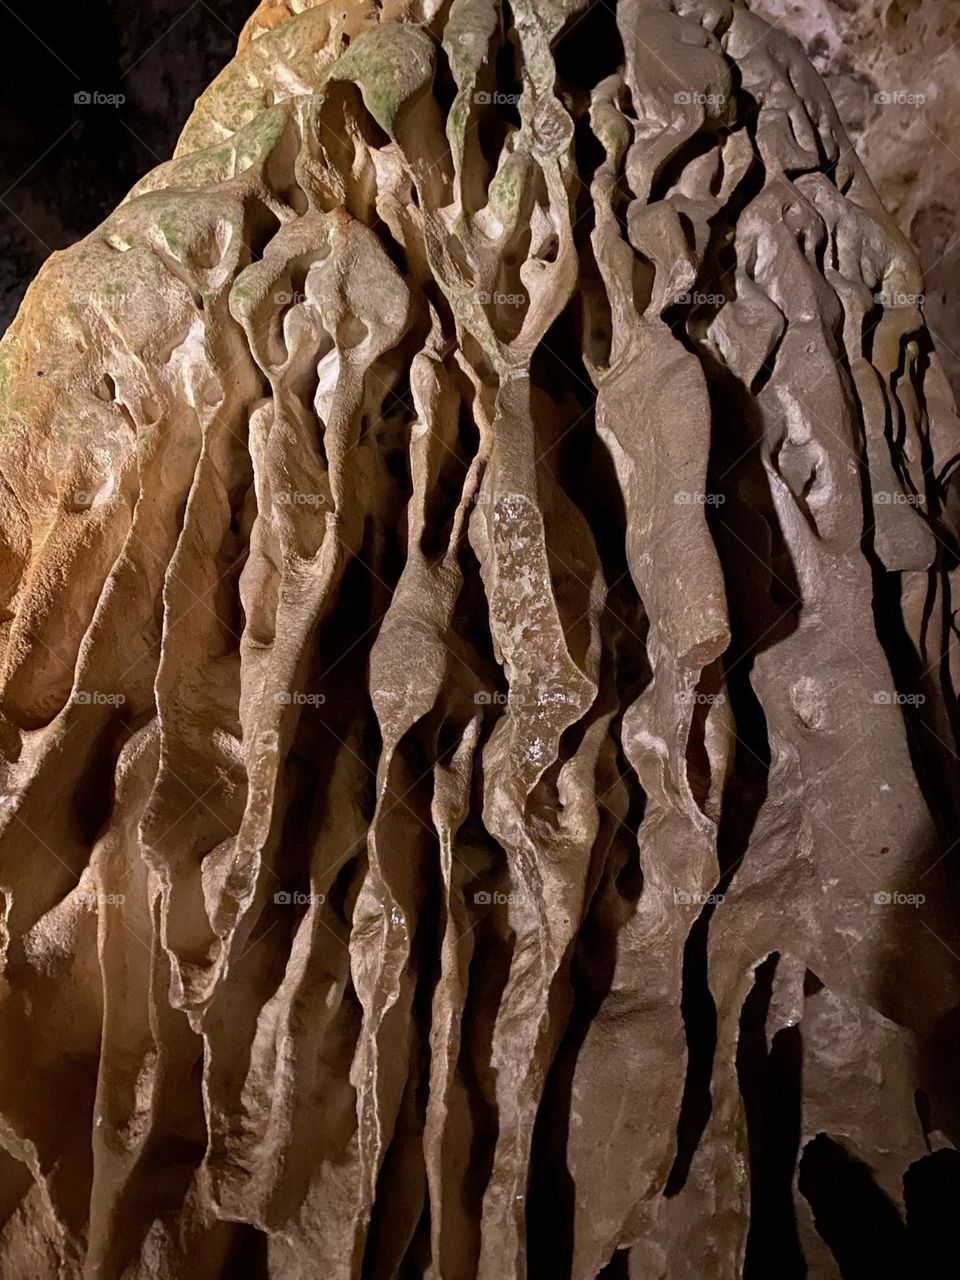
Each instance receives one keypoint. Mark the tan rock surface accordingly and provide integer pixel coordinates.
(893, 70)
(479, 651)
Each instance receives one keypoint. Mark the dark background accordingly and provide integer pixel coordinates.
(64, 166)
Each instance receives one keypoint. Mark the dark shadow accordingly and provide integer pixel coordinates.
(770, 1087)
(860, 1225)
(931, 1189)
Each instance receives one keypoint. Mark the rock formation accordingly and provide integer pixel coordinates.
(479, 543)
(893, 70)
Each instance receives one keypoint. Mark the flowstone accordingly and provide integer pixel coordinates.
(479, 543)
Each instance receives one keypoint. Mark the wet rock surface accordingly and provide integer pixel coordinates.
(893, 70)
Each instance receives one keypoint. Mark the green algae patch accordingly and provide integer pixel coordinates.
(388, 65)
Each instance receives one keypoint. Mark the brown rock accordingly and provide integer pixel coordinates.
(893, 70)
(477, 700)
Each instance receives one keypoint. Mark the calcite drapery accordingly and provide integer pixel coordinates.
(479, 543)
